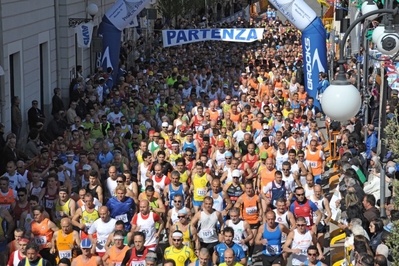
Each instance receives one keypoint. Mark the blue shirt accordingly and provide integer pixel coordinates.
(238, 251)
(122, 210)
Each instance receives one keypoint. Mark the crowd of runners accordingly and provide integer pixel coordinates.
(211, 150)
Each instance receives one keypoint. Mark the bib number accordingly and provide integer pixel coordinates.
(272, 249)
(122, 217)
(145, 231)
(65, 254)
(251, 210)
(313, 164)
(137, 263)
(40, 240)
(101, 244)
(49, 204)
(207, 233)
(201, 192)
(307, 221)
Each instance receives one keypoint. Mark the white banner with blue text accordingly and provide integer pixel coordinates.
(84, 32)
(179, 37)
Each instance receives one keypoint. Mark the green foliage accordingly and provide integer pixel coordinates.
(392, 142)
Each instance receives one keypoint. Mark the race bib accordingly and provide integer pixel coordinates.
(7, 206)
(207, 233)
(49, 204)
(145, 231)
(100, 246)
(40, 240)
(307, 220)
(65, 254)
(313, 164)
(201, 192)
(251, 210)
(137, 263)
(272, 249)
(122, 217)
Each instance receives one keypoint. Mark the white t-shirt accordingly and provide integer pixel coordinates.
(16, 180)
(103, 230)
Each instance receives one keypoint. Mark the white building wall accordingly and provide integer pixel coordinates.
(24, 26)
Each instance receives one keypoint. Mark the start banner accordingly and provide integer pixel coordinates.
(179, 37)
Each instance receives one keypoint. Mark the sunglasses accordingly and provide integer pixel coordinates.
(312, 254)
(303, 194)
(177, 201)
(177, 240)
(181, 217)
(21, 195)
(119, 181)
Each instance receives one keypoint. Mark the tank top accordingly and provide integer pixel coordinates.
(173, 157)
(42, 233)
(220, 159)
(36, 190)
(6, 199)
(197, 122)
(87, 218)
(49, 200)
(85, 182)
(200, 187)
(315, 162)
(305, 211)
(320, 205)
(239, 232)
(16, 257)
(28, 221)
(282, 219)
(250, 209)
(280, 158)
(250, 162)
(301, 242)
(174, 217)
(183, 177)
(91, 262)
(136, 260)
(147, 226)
(76, 148)
(143, 175)
(172, 194)
(278, 192)
(234, 192)
(62, 210)
(207, 224)
(159, 184)
(218, 202)
(273, 246)
(18, 211)
(267, 176)
(187, 145)
(92, 191)
(63, 245)
(187, 236)
(115, 257)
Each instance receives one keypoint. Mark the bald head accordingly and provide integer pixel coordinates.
(65, 222)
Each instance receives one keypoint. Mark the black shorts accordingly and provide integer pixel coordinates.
(321, 228)
(209, 246)
(272, 260)
(254, 226)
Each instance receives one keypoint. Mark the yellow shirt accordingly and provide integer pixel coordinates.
(235, 264)
(199, 183)
(180, 256)
(61, 211)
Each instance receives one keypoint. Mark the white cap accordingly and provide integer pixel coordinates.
(265, 126)
(165, 124)
(236, 172)
(87, 167)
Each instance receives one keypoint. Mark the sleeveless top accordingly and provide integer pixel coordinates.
(200, 187)
(301, 242)
(249, 210)
(273, 246)
(187, 236)
(239, 232)
(36, 190)
(42, 233)
(63, 245)
(6, 199)
(91, 262)
(172, 194)
(218, 203)
(234, 192)
(207, 228)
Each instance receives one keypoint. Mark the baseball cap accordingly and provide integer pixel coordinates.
(200, 128)
(151, 256)
(182, 211)
(228, 154)
(87, 167)
(264, 155)
(86, 243)
(101, 78)
(389, 227)
(165, 124)
(265, 126)
(235, 173)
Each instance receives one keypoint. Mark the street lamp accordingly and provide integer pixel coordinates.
(341, 100)
(92, 10)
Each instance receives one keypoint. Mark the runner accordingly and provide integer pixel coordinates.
(180, 253)
(218, 254)
(115, 255)
(65, 241)
(87, 258)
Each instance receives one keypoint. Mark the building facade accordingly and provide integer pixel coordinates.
(38, 51)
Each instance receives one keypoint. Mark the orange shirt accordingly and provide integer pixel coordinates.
(42, 232)
(7, 200)
(302, 97)
(214, 115)
(117, 258)
(249, 210)
(64, 246)
(236, 118)
(91, 262)
(268, 150)
(266, 177)
(256, 125)
(264, 89)
(315, 161)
